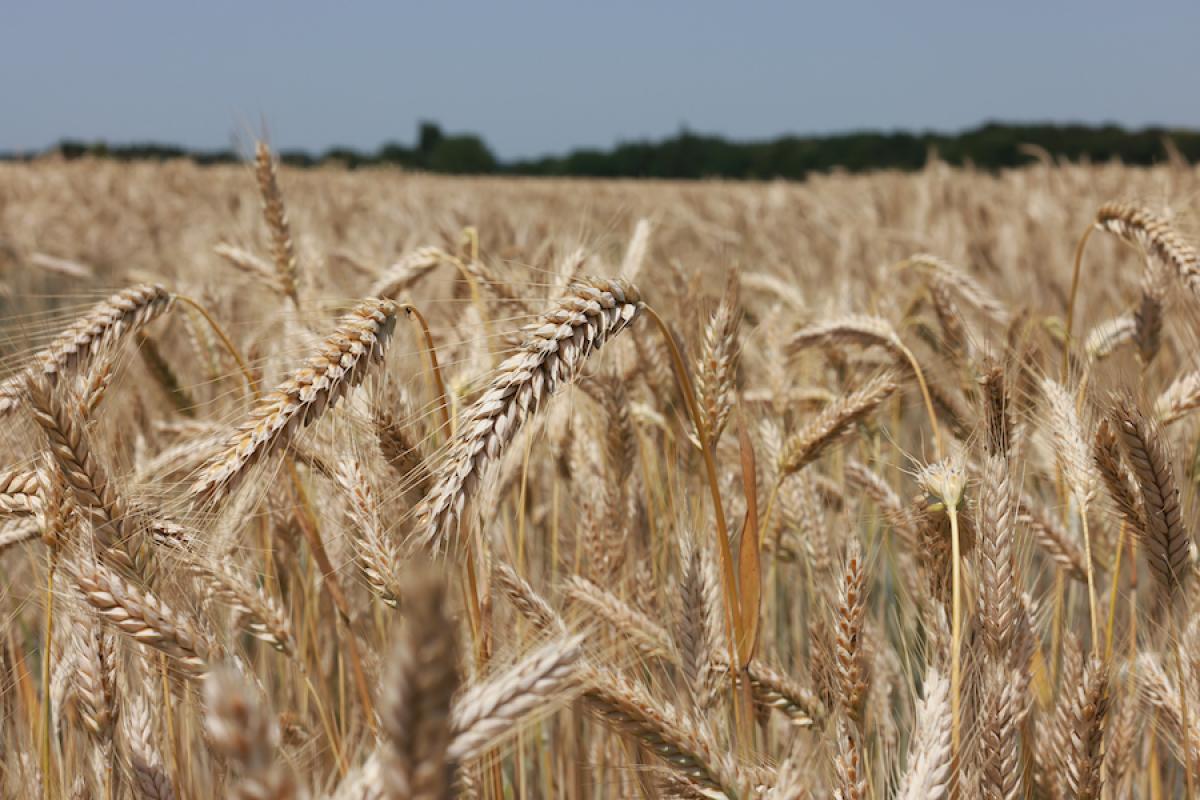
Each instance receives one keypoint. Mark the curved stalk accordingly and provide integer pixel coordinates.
(225, 341)
(1066, 358)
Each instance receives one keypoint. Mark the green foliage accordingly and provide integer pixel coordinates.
(691, 155)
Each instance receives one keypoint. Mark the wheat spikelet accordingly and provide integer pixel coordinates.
(650, 638)
(80, 469)
(773, 689)
(1104, 339)
(341, 363)
(999, 743)
(102, 327)
(850, 779)
(19, 489)
(1066, 431)
(1122, 489)
(283, 251)
(254, 611)
(929, 761)
(999, 601)
(96, 682)
(1119, 753)
(408, 271)
(833, 423)
(1051, 537)
(15, 531)
(1166, 537)
(1155, 236)
(1148, 317)
(1084, 758)
(491, 709)
(251, 264)
(529, 603)
(862, 478)
(554, 350)
(791, 780)
(143, 617)
(1157, 692)
(145, 762)
(635, 253)
(680, 743)
(965, 286)
(1179, 399)
(858, 329)
(378, 557)
(716, 370)
(851, 657)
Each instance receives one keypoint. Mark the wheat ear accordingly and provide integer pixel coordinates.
(341, 363)
(554, 350)
(283, 251)
(493, 708)
(150, 778)
(89, 482)
(929, 760)
(72, 350)
(142, 616)
(1166, 537)
(1154, 235)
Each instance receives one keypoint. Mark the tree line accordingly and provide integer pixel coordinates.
(691, 155)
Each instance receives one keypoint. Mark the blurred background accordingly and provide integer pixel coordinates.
(666, 89)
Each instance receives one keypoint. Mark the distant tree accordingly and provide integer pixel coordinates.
(395, 153)
(344, 155)
(461, 155)
(993, 145)
(429, 136)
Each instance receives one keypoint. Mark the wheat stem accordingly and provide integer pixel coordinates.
(1079, 247)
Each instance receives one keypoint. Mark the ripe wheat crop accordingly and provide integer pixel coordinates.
(367, 484)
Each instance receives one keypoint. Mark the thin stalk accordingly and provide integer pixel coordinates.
(47, 779)
(471, 589)
(169, 722)
(727, 570)
(1188, 744)
(435, 369)
(1087, 553)
(933, 423)
(955, 633)
(326, 722)
(333, 586)
(1112, 594)
(1066, 357)
(733, 618)
(225, 341)
(765, 525)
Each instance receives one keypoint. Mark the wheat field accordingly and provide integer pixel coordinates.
(365, 484)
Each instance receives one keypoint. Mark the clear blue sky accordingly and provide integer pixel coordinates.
(538, 77)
